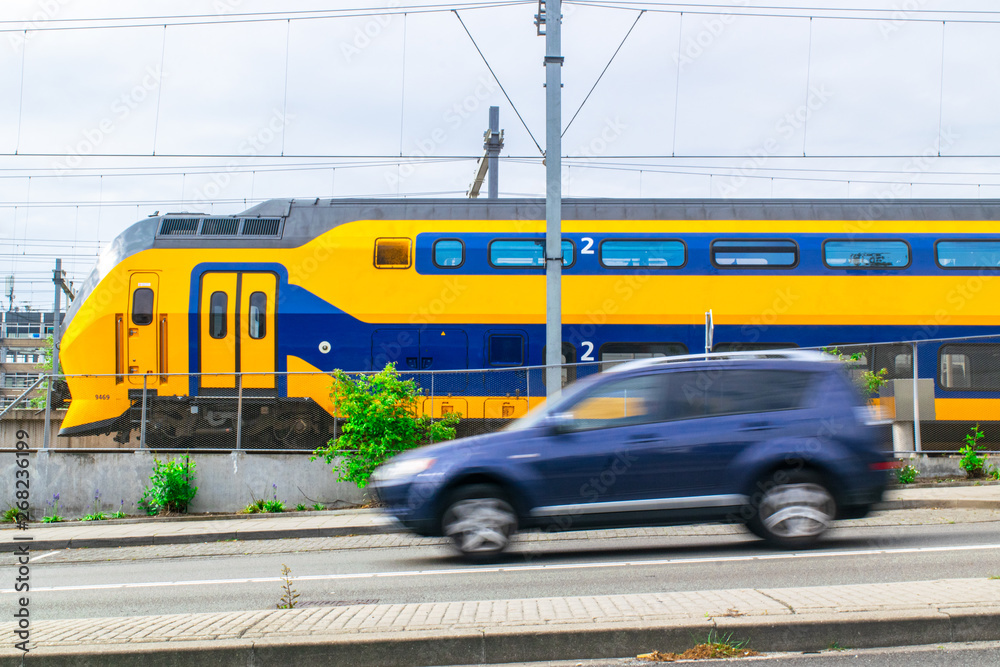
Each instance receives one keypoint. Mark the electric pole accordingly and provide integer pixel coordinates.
(549, 22)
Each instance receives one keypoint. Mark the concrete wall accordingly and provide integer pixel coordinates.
(32, 422)
(226, 482)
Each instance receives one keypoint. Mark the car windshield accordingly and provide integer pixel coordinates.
(568, 394)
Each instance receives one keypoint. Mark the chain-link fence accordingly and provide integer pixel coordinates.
(944, 386)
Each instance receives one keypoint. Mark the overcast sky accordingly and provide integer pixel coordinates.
(232, 110)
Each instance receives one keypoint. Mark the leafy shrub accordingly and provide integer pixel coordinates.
(318, 507)
(972, 463)
(263, 506)
(96, 516)
(380, 413)
(868, 382)
(171, 490)
(300, 508)
(907, 474)
(10, 515)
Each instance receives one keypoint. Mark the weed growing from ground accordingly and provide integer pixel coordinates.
(289, 596)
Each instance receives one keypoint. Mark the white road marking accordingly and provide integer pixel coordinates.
(521, 568)
(37, 558)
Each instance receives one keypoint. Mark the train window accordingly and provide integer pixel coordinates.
(142, 306)
(508, 254)
(970, 366)
(739, 253)
(258, 315)
(613, 354)
(392, 253)
(655, 254)
(506, 350)
(968, 254)
(751, 347)
(866, 254)
(218, 305)
(449, 253)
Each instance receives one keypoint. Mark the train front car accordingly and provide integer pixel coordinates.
(181, 314)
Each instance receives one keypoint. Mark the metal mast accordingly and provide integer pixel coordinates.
(550, 18)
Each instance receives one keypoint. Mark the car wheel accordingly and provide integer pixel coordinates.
(796, 508)
(479, 521)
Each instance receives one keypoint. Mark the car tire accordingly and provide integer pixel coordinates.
(793, 509)
(479, 520)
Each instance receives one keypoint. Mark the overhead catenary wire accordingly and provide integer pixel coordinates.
(495, 78)
(110, 23)
(601, 75)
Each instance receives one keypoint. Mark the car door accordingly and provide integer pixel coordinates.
(589, 465)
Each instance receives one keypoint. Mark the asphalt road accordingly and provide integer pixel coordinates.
(408, 570)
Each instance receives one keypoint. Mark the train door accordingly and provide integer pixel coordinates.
(445, 350)
(427, 350)
(238, 329)
(143, 344)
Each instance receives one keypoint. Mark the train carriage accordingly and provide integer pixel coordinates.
(289, 290)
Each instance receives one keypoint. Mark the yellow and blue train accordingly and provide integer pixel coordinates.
(180, 302)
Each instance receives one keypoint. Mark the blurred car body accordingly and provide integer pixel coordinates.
(780, 442)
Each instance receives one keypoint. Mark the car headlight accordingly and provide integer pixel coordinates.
(395, 470)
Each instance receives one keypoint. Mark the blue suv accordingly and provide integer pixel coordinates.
(778, 441)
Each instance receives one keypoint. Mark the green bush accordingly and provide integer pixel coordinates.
(972, 463)
(171, 490)
(907, 474)
(263, 506)
(380, 413)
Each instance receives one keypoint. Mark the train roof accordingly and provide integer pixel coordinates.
(297, 221)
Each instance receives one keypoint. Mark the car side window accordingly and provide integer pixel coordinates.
(713, 392)
(625, 402)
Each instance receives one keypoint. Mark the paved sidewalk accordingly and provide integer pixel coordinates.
(777, 619)
(356, 522)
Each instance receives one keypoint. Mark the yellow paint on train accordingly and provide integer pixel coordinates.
(338, 267)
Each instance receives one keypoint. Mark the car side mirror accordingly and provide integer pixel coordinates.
(558, 422)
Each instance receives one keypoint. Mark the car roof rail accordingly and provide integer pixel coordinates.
(794, 354)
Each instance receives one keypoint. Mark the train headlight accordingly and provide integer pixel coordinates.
(324, 347)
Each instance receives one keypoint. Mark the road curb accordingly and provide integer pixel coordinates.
(343, 531)
(486, 645)
(192, 538)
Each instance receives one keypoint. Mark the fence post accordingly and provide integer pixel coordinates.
(48, 411)
(239, 410)
(917, 447)
(142, 417)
